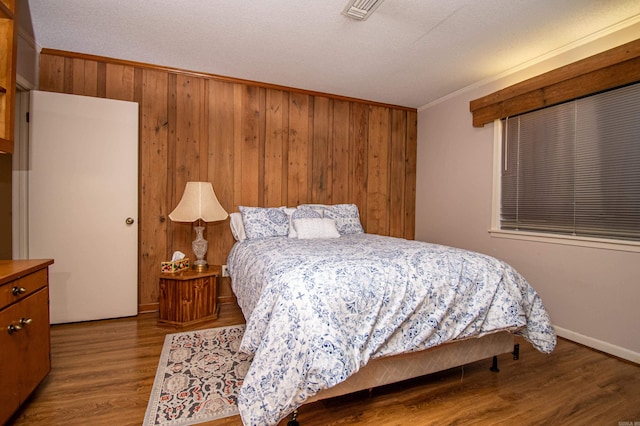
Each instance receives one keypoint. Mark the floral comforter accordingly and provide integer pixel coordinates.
(318, 310)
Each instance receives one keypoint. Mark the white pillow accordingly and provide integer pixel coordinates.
(316, 228)
(237, 227)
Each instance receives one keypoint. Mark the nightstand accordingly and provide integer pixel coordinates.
(189, 297)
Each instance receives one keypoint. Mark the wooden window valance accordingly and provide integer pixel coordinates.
(607, 70)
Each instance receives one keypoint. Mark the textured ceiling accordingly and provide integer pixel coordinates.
(409, 52)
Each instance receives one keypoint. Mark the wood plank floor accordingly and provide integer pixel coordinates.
(103, 371)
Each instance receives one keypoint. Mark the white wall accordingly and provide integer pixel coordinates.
(592, 295)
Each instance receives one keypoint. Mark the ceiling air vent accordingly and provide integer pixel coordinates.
(361, 9)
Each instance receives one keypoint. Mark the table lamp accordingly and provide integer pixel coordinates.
(199, 203)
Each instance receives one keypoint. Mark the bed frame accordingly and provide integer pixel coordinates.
(397, 368)
(393, 369)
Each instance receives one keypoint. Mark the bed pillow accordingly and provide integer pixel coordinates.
(237, 227)
(302, 213)
(260, 222)
(289, 211)
(319, 208)
(309, 228)
(347, 218)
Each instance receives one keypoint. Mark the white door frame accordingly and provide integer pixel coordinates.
(20, 179)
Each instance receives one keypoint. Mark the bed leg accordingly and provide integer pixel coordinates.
(494, 365)
(516, 351)
(293, 421)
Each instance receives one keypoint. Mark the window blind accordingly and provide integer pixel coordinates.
(574, 168)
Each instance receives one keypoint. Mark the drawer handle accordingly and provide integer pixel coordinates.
(14, 328)
(18, 291)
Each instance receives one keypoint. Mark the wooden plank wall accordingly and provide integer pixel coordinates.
(259, 145)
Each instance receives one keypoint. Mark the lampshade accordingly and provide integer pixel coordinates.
(198, 202)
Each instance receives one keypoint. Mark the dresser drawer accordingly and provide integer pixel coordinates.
(22, 287)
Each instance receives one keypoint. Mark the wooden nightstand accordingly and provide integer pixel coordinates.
(189, 297)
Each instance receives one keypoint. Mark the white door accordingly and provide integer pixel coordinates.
(83, 196)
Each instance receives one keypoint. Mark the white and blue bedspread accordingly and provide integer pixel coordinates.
(318, 310)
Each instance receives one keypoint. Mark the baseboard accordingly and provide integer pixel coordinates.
(149, 307)
(599, 345)
(227, 299)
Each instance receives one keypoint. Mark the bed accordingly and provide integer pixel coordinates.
(332, 310)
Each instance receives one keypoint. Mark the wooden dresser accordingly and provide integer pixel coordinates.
(24, 331)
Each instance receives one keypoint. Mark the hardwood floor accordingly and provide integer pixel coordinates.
(103, 371)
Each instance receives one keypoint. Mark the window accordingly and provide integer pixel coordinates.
(574, 168)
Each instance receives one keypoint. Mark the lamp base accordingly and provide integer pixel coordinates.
(201, 267)
(199, 246)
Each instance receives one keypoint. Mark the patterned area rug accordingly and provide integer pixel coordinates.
(198, 378)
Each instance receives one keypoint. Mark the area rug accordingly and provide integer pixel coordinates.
(199, 375)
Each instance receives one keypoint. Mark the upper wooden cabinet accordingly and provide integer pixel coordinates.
(8, 50)
(10, 5)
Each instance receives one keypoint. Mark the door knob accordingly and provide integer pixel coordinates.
(129, 221)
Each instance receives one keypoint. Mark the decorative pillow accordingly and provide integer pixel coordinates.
(347, 218)
(319, 208)
(262, 222)
(302, 213)
(316, 228)
(237, 227)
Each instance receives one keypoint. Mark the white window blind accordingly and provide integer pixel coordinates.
(574, 168)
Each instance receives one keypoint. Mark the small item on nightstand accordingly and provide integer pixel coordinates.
(178, 263)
